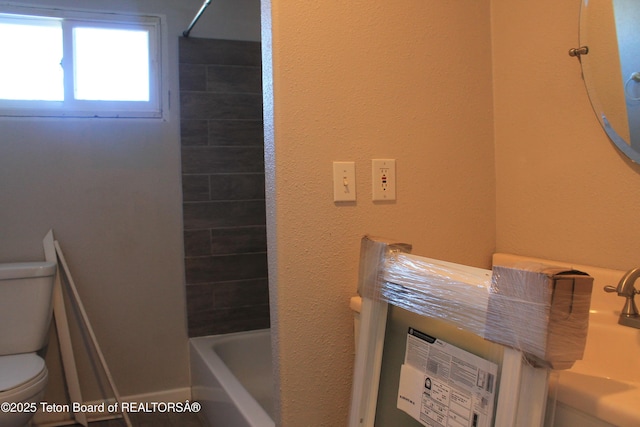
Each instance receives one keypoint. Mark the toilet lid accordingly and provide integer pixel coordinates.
(17, 369)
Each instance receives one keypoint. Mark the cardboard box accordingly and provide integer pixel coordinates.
(541, 310)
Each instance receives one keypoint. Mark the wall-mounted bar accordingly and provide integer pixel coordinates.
(195, 19)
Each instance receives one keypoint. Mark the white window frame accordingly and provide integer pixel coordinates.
(156, 107)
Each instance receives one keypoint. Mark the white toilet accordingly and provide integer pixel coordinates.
(25, 313)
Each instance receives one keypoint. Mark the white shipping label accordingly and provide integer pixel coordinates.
(444, 386)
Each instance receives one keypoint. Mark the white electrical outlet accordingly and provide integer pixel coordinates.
(383, 179)
(344, 181)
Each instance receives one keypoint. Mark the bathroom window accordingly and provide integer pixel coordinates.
(78, 64)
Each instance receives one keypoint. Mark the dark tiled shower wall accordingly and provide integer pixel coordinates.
(223, 186)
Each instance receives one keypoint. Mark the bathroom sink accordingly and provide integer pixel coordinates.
(605, 385)
(611, 349)
(606, 382)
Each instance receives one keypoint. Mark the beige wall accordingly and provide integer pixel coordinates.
(407, 81)
(563, 191)
(354, 81)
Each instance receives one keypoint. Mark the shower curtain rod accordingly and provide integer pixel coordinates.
(195, 19)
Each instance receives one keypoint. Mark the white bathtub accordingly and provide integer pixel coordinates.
(602, 389)
(231, 377)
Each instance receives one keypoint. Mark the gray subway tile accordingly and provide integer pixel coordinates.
(229, 106)
(233, 78)
(209, 51)
(219, 214)
(222, 145)
(195, 188)
(194, 132)
(211, 160)
(241, 293)
(226, 268)
(228, 320)
(200, 297)
(237, 186)
(193, 77)
(197, 243)
(236, 132)
(239, 240)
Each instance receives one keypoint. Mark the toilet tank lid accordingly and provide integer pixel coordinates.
(21, 270)
(18, 369)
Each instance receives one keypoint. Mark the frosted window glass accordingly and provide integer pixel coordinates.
(111, 64)
(30, 56)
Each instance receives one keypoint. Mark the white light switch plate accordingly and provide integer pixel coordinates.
(344, 181)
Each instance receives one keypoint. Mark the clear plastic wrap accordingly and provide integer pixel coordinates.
(541, 310)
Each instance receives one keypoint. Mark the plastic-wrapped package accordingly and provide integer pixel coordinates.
(541, 310)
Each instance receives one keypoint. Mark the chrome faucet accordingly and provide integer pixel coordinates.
(629, 315)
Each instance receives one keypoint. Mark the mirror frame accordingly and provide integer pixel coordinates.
(590, 72)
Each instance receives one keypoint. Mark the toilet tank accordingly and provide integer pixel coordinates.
(26, 291)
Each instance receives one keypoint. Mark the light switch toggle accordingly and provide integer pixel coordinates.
(344, 181)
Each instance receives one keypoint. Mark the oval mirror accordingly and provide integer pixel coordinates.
(610, 30)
